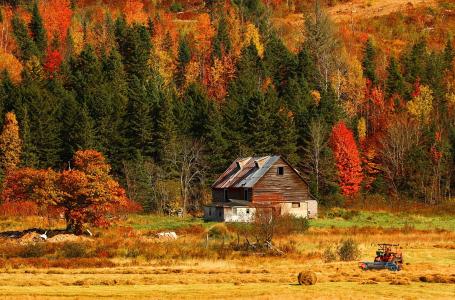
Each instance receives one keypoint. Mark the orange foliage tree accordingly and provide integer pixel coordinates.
(11, 64)
(10, 144)
(56, 15)
(86, 194)
(347, 159)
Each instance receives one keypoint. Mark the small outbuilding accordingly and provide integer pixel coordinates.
(254, 183)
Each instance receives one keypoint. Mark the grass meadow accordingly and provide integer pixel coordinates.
(126, 261)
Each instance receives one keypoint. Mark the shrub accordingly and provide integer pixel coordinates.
(342, 213)
(348, 250)
(33, 250)
(218, 231)
(176, 7)
(74, 250)
(329, 255)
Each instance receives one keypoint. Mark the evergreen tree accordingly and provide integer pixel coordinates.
(394, 84)
(43, 113)
(222, 42)
(139, 123)
(27, 47)
(36, 27)
(199, 108)
(448, 54)
(260, 124)
(415, 61)
(368, 62)
(134, 45)
(84, 130)
(183, 58)
(166, 132)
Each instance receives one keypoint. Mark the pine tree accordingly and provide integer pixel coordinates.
(10, 144)
(394, 84)
(448, 54)
(222, 42)
(199, 108)
(260, 124)
(139, 123)
(134, 45)
(368, 62)
(43, 111)
(27, 47)
(36, 27)
(84, 131)
(166, 133)
(183, 58)
(415, 62)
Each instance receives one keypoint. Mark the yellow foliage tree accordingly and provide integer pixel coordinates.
(421, 106)
(362, 129)
(252, 35)
(10, 144)
(10, 63)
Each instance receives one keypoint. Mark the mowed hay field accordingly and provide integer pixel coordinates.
(429, 271)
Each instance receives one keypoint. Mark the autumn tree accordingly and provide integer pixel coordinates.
(347, 159)
(85, 194)
(10, 144)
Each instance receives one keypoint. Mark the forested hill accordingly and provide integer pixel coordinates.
(361, 106)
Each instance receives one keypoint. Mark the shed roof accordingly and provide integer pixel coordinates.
(245, 172)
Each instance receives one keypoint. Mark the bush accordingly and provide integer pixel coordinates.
(348, 250)
(333, 200)
(218, 231)
(329, 255)
(176, 7)
(342, 213)
(74, 250)
(33, 250)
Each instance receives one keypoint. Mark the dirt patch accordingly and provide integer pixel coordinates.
(361, 9)
(307, 278)
(29, 238)
(61, 238)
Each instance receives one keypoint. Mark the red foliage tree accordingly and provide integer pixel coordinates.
(53, 61)
(347, 159)
(85, 194)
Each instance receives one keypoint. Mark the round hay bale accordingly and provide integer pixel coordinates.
(307, 278)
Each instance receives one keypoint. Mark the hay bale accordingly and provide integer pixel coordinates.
(307, 278)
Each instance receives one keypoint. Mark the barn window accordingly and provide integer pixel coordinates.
(280, 170)
(245, 194)
(295, 204)
(225, 195)
(247, 210)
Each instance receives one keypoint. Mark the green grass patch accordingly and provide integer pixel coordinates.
(384, 220)
(156, 222)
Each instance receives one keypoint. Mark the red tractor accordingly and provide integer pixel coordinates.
(388, 256)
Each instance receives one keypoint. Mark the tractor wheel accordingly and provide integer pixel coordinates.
(393, 268)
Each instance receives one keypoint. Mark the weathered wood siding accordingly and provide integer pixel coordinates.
(287, 187)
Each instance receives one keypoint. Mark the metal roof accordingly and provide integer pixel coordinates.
(245, 172)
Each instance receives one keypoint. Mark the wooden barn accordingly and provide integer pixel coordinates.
(254, 183)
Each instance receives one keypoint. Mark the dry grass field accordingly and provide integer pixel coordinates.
(157, 271)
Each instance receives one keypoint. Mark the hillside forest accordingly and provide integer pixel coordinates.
(171, 92)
